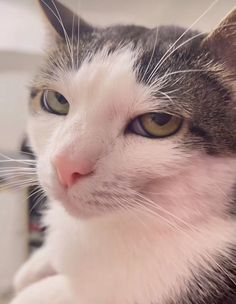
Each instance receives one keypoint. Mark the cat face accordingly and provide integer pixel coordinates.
(119, 123)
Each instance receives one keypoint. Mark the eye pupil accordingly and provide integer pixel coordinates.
(61, 98)
(161, 119)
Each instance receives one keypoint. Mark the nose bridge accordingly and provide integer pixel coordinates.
(86, 150)
(84, 145)
(91, 140)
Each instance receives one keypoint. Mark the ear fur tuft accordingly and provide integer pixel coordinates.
(63, 20)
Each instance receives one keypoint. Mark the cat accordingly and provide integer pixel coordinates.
(134, 130)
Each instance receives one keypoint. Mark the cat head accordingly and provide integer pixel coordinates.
(126, 118)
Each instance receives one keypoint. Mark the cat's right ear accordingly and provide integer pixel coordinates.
(65, 22)
(222, 41)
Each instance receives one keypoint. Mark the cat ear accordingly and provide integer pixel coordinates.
(63, 20)
(222, 41)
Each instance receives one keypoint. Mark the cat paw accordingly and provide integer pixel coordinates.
(54, 290)
(35, 269)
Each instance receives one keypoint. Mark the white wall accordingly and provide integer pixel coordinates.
(13, 101)
(13, 236)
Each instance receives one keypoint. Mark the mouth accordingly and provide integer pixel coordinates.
(93, 198)
(86, 209)
(83, 204)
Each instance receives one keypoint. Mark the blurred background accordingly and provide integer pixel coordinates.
(21, 47)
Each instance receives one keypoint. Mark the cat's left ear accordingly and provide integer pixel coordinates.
(65, 22)
(222, 41)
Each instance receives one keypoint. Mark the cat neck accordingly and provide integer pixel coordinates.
(131, 252)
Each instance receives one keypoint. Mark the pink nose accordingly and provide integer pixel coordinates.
(69, 171)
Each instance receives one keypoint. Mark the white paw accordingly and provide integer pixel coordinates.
(52, 290)
(37, 268)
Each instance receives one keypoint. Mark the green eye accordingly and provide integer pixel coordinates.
(156, 125)
(54, 102)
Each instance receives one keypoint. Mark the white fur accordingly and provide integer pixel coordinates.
(37, 268)
(126, 248)
(54, 290)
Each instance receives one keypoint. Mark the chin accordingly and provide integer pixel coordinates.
(80, 209)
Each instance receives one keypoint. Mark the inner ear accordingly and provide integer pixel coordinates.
(222, 41)
(64, 21)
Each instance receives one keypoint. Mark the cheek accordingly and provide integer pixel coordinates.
(40, 131)
(47, 176)
(202, 189)
(42, 134)
(154, 158)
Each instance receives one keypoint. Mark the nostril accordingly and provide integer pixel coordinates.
(66, 178)
(72, 179)
(75, 176)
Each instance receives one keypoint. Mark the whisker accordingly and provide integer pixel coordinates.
(9, 159)
(78, 41)
(169, 52)
(158, 207)
(166, 95)
(151, 58)
(154, 214)
(9, 167)
(24, 161)
(72, 42)
(162, 61)
(14, 184)
(15, 175)
(177, 227)
(59, 19)
(183, 72)
(37, 188)
(40, 199)
(27, 153)
(69, 46)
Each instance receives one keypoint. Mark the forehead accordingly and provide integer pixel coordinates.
(118, 61)
(152, 45)
(107, 83)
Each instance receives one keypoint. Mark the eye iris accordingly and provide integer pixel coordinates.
(55, 103)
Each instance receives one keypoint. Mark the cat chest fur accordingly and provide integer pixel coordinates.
(125, 260)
